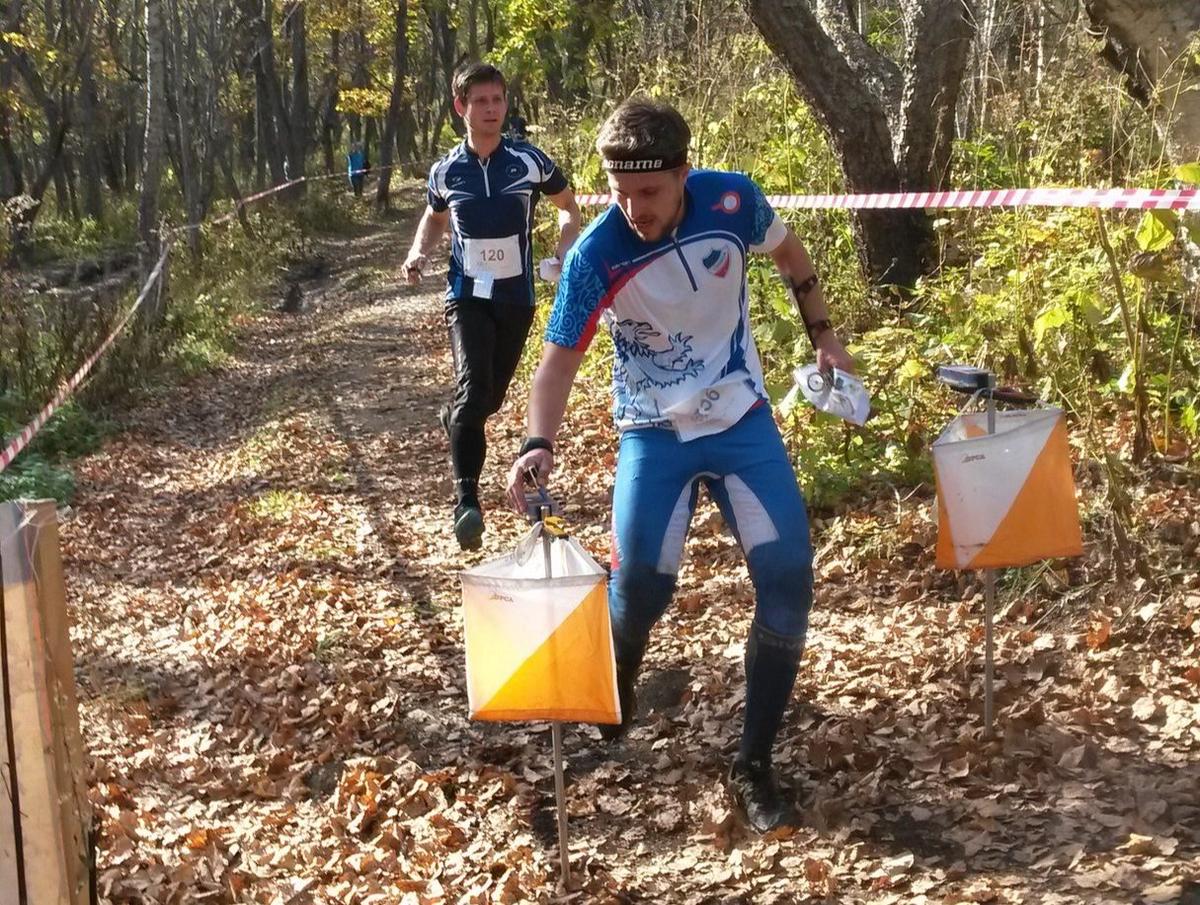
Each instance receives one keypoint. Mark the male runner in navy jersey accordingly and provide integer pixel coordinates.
(485, 191)
(665, 267)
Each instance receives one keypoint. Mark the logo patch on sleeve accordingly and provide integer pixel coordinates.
(716, 261)
(729, 203)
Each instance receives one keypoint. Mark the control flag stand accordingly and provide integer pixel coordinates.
(538, 641)
(553, 526)
(977, 381)
(1005, 492)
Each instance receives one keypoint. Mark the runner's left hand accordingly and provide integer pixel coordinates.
(541, 462)
(832, 354)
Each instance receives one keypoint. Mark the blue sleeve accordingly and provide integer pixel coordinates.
(581, 298)
(761, 214)
(433, 194)
(553, 180)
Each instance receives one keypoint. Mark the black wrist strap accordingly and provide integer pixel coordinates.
(532, 443)
(816, 328)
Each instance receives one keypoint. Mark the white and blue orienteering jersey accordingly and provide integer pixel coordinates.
(491, 206)
(677, 308)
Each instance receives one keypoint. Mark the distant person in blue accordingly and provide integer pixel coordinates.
(485, 190)
(665, 268)
(356, 167)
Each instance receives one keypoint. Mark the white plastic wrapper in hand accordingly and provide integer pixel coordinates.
(835, 392)
(550, 269)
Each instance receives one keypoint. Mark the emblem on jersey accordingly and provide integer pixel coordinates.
(729, 203)
(455, 182)
(659, 367)
(513, 170)
(716, 262)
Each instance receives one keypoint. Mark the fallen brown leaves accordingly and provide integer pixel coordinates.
(270, 657)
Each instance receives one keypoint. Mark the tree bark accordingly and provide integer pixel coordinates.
(273, 127)
(299, 114)
(181, 67)
(12, 179)
(90, 161)
(134, 128)
(150, 241)
(398, 108)
(885, 141)
(1148, 40)
(330, 124)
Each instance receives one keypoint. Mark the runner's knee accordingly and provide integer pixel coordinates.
(471, 408)
(783, 585)
(639, 596)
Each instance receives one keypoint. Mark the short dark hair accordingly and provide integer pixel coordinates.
(469, 75)
(642, 128)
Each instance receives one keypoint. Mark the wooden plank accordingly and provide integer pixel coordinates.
(45, 874)
(43, 824)
(14, 571)
(67, 757)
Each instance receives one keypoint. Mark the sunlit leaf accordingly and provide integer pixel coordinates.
(1053, 317)
(1189, 173)
(1156, 230)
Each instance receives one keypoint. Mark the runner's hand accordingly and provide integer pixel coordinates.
(414, 265)
(541, 462)
(832, 354)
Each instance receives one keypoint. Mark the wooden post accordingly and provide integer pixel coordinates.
(44, 834)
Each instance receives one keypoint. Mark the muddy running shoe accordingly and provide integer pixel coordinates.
(627, 694)
(468, 525)
(755, 790)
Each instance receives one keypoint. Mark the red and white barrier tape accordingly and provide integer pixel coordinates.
(22, 439)
(275, 189)
(1111, 199)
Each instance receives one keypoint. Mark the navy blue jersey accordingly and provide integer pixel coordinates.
(491, 206)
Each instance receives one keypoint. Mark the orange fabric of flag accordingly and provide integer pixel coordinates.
(539, 647)
(1006, 498)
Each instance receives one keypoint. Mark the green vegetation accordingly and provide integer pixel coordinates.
(1030, 293)
(47, 337)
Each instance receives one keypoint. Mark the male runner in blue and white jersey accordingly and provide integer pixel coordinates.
(485, 190)
(665, 267)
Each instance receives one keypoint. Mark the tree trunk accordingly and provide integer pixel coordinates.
(299, 114)
(134, 128)
(274, 129)
(886, 141)
(62, 196)
(397, 106)
(150, 241)
(226, 159)
(181, 67)
(330, 124)
(473, 29)
(12, 180)
(89, 164)
(1152, 43)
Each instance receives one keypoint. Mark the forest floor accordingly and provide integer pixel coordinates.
(272, 676)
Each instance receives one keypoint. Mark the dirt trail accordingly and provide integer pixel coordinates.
(272, 676)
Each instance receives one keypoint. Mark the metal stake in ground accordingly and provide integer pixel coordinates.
(556, 734)
(560, 788)
(989, 592)
(977, 381)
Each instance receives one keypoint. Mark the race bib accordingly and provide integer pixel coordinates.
(713, 409)
(499, 257)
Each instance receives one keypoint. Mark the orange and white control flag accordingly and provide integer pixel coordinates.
(1008, 498)
(540, 648)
